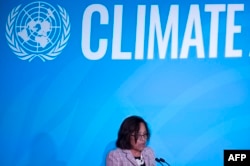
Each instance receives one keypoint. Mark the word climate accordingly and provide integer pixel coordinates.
(162, 36)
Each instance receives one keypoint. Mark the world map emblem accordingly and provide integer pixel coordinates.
(38, 30)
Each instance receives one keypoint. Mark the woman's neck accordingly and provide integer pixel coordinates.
(135, 153)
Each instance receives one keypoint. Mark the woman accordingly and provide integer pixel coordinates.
(131, 145)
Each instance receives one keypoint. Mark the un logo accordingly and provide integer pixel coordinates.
(37, 31)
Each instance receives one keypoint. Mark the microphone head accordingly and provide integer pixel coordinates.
(158, 160)
(162, 160)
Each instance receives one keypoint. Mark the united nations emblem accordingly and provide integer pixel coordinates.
(37, 30)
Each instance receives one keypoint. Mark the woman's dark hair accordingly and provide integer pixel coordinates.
(129, 126)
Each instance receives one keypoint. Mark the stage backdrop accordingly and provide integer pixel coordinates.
(71, 71)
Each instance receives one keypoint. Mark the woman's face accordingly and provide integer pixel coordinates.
(140, 144)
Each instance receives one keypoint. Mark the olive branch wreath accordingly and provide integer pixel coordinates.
(21, 53)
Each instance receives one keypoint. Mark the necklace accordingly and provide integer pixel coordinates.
(140, 160)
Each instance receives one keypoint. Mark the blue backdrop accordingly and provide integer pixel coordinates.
(71, 71)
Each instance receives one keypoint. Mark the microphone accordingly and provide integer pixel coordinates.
(161, 160)
(158, 161)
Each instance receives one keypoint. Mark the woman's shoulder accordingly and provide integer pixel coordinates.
(117, 151)
(148, 150)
